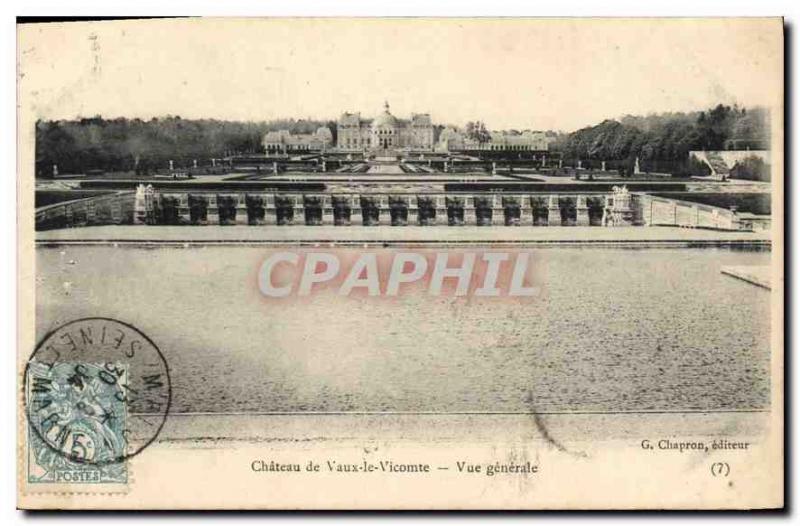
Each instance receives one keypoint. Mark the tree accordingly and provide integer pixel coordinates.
(134, 145)
(477, 131)
(751, 168)
(663, 141)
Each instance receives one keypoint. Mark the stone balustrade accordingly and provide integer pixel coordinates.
(186, 207)
(454, 209)
(110, 209)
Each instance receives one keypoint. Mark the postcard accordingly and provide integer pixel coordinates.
(402, 263)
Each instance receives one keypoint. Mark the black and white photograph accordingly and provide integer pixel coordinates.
(491, 263)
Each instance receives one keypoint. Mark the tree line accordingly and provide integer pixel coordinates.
(662, 142)
(142, 146)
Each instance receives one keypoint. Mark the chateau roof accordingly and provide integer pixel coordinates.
(421, 118)
(385, 119)
(350, 118)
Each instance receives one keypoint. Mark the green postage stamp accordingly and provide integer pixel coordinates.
(77, 414)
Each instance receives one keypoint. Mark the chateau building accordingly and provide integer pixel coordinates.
(453, 139)
(283, 140)
(384, 132)
(387, 132)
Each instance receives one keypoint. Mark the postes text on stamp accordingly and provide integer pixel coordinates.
(97, 392)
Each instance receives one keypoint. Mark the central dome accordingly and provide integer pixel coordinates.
(385, 118)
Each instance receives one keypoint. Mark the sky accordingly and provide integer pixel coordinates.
(559, 74)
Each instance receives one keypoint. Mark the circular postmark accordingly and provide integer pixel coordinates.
(96, 391)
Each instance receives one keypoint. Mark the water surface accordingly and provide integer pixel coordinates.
(613, 330)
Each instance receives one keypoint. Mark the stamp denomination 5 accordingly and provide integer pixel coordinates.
(97, 391)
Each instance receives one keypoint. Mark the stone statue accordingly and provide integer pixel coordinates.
(139, 206)
(621, 197)
(150, 205)
(618, 211)
(636, 168)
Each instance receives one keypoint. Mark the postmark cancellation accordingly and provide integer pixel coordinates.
(96, 393)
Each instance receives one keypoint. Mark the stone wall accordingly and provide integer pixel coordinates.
(660, 211)
(455, 209)
(181, 207)
(113, 209)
